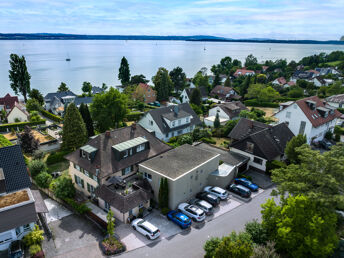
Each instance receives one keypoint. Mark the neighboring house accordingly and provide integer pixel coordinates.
(112, 158)
(8, 102)
(85, 100)
(243, 72)
(279, 81)
(227, 111)
(310, 117)
(211, 79)
(327, 71)
(318, 81)
(145, 92)
(224, 93)
(56, 101)
(260, 142)
(18, 113)
(265, 68)
(187, 92)
(336, 101)
(96, 90)
(302, 75)
(167, 122)
(19, 205)
(173, 100)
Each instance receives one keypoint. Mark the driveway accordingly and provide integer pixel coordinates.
(56, 210)
(259, 178)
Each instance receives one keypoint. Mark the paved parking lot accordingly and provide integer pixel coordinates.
(133, 240)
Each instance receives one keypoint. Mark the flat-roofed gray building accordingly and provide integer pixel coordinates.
(186, 168)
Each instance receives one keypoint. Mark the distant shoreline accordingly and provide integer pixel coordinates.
(201, 38)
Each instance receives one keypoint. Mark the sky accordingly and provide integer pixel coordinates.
(277, 19)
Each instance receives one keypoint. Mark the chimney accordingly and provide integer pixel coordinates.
(107, 134)
(133, 127)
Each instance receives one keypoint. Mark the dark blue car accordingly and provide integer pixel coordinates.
(179, 218)
(247, 183)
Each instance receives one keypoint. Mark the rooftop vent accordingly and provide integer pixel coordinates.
(107, 134)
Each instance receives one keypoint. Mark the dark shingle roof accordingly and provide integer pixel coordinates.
(180, 160)
(203, 91)
(14, 168)
(246, 127)
(233, 109)
(268, 143)
(85, 100)
(123, 203)
(157, 115)
(105, 158)
(58, 95)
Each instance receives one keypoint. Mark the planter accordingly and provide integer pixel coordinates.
(108, 249)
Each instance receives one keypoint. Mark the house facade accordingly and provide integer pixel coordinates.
(224, 93)
(310, 117)
(145, 92)
(259, 142)
(8, 102)
(111, 160)
(19, 205)
(186, 94)
(167, 122)
(55, 101)
(336, 101)
(18, 113)
(226, 111)
(244, 72)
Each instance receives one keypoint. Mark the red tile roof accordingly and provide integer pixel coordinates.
(8, 101)
(281, 80)
(239, 72)
(313, 115)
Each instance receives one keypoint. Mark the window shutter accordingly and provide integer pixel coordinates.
(75, 179)
(82, 183)
(88, 187)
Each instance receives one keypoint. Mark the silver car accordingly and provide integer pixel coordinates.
(218, 191)
(203, 205)
(192, 211)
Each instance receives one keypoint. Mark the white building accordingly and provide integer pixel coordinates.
(309, 117)
(186, 94)
(336, 101)
(18, 114)
(227, 111)
(167, 122)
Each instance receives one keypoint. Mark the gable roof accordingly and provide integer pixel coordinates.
(20, 108)
(281, 80)
(9, 101)
(203, 91)
(233, 109)
(14, 169)
(221, 90)
(336, 98)
(85, 100)
(184, 108)
(243, 71)
(96, 90)
(58, 95)
(105, 159)
(313, 115)
(268, 143)
(246, 127)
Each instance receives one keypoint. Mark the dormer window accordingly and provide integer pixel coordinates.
(173, 123)
(187, 120)
(126, 153)
(83, 153)
(88, 156)
(141, 147)
(249, 147)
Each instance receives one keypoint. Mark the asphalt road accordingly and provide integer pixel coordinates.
(190, 243)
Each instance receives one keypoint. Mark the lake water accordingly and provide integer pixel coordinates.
(97, 61)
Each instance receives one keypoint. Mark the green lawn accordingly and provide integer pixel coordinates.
(334, 63)
(61, 166)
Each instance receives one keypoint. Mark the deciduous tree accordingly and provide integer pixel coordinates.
(136, 79)
(235, 246)
(37, 95)
(86, 87)
(290, 149)
(108, 109)
(19, 76)
(62, 87)
(178, 78)
(74, 133)
(163, 84)
(195, 97)
(27, 141)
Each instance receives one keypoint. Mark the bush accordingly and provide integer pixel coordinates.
(328, 135)
(51, 116)
(257, 232)
(4, 127)
(341, 110)
(35, 237)
(38, 155)
(210, 246)
(134, 116)
(185, 139)
(34, 249)
(197, 109)
(255, 103)
(37, 166)
(274, 164)
(79, 208)
(198, 134)
(4, 142)
(165, 210)
(208, 140)
(63, 187)
(244, 176)
(56, 157)
(173, 139)
(43, 179)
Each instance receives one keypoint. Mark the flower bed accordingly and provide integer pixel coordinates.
(111, 246)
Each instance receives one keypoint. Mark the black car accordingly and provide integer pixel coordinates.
(16, 249)
(239, 190)
(326, 144)
(208, 197)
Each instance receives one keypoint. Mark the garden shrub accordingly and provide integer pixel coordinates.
(63, 187)
(134, 116)
(56, 157)
(20, 125)
(51, 116)
(35, 237)
(79, 208)
(37, 166)
(43, 179)
(34, 249)
(208, 140)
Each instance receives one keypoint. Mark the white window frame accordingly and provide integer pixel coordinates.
(86, 173)
(83, 153)
(77, 167)
(147, 176)
(127, 170)
(173, 123)
(126, 153)
(95, 178)
(140, 148)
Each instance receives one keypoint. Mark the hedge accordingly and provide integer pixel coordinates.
(4, 127)
(56, 157)
(208, 140)
(134, 116)
(51, 116)
(255, 103)
(4, 142)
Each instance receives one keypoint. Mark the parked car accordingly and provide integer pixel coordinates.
(146, 228)
(203, 205)
(16, 249)
(218, 191)
(192, 211)
(155, 103)
(247, 183)
(240, 190)
(326, 144)
(208, 197)
(179, 218)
